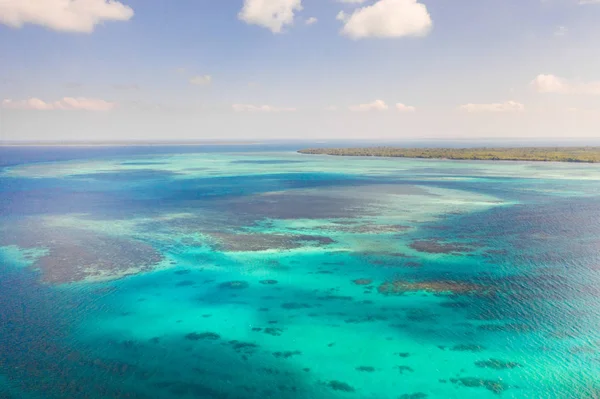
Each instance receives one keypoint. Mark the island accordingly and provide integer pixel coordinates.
(548, 154)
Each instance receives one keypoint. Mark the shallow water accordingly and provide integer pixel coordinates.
(277, 275)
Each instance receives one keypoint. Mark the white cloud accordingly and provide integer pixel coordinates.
(66, 103)
(508, 106)
(201, 80)
(377, 105)
(270, 14)
(583, 2)
(331, 108)
(554, 84)
(63, 15)
(311, 21)
(405, 108)
(561, 31)
(259, 108)
(387, 18)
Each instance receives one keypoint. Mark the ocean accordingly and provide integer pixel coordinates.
(252, 271)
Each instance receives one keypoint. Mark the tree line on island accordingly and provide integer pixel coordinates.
(548, 154)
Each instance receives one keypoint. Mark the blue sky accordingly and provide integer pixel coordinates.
(390, 69)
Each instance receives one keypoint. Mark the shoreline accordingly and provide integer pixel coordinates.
(588, 155)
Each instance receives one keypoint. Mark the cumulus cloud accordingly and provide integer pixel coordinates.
(270, 14)
(508, 106)
(66, 103)
(561, 31)
(405, 108)
(554, 84)
(311, 21)
(63, 15)
(259, 108)
(387, 18)
(201, 80)
(377, 105)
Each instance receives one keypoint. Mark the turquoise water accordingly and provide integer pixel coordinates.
(276, 275)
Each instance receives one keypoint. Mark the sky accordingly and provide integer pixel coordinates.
(299, 69)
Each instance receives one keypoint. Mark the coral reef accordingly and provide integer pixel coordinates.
(497, 364)
(416, 395)
(433, 246)
(254, 242)
(295, 305)
(237, 285)
(77, 254)
(273, 331)
(367, 369)
(340, 386)
(399, 287)
(467, 348)
(404, 369)
(206, 335)
(473, 382)
(286, 354)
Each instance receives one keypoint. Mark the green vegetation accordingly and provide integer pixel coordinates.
(551, 154)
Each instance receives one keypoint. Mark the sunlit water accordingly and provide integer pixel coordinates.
(277, 275)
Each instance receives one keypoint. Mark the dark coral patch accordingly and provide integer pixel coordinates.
(340, 386)
(472, 382)
(399, 287)
(268, 282)
(454, 305)
(77, 254)
(367, 369)
(236, 285)
(416, 395)
(207, 335)
(273, 331)
(505, 327)
(497, 364)
(467, 348)
(335, 297)
(243, 346)
(420, 315)
(185, 283)
(362, 281)
(286, 354)
(433, 246)
(404, 369)
(248, 242)
(295, 305)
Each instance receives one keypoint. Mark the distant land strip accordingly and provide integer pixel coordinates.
(543, 154)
